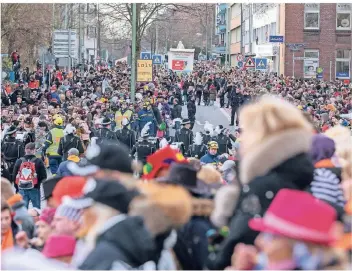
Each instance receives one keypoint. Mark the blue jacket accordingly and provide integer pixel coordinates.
(144, 117)
(209, 159)
(63, 169)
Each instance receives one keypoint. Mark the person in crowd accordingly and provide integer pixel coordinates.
(69, 141)
(290, 135)
(73, 156)
(144, 147)
(291, 248)
(145, 116)
(123, 113)
(126, 135)
(198, 149)
(191, 111)
(52, 144)
(30, 172)
(236, 101)
(7, 234)
(222, 139)
(43, 228)
(105, 132)
(212, 155)
(185, 135)
(12, 149)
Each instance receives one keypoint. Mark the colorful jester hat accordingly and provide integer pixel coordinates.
(163, 158)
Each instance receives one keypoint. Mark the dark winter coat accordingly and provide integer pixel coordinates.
(124, 244)
(289, 166)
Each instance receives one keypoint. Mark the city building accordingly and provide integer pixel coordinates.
(235, 32)
(221, 20)
(323, 32)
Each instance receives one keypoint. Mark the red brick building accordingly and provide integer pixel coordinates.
(325, 29)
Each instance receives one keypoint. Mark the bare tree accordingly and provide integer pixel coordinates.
(25, 27)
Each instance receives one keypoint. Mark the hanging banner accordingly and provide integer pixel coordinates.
(181, 60)
(144, 70)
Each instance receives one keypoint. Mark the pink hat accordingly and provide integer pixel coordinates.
(47, 215)
(298, 215)
(59, 246)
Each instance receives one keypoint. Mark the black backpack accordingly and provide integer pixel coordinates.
(68, 144)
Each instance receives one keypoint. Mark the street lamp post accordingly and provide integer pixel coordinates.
(134, 38)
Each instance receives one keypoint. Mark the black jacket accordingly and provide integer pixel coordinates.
(126, 244)
(186, 136)
(127, 137)
(68, 142)
(236, 99)
(294, 173)
(39, 168)
(176, 112)
(191, 108)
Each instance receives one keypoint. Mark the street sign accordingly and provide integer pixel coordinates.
(261, 64)
(144, 70)
(146, 56)
(319, 72)
(64, 43)
(240, 58)
(249, 63)
(278, 39)
(157, 60)
(295, 46)
(240, 64)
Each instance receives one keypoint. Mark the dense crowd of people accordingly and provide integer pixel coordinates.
(127, 183)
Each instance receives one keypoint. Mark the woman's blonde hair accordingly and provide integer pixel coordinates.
(343, 140)
(270, 115)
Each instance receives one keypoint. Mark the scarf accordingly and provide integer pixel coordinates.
(7, 241)
(73, 158)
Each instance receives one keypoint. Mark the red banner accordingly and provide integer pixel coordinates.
(178, 65)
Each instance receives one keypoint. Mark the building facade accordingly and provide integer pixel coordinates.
(234, 32)
(221, 21)
(324, 30)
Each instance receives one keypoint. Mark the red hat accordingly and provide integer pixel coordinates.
(161, 159)
(298, 215)
(59, 246)
(68, 186)
(47, 215)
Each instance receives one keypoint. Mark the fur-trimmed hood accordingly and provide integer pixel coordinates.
(274, 151)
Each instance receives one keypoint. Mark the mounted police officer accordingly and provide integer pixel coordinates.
(198, 149)
(105, 132)
(126, 135)
(144, 146)
(222, 139)
(185, 135)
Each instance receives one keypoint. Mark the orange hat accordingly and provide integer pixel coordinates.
(161, 159)
(14, 199)
(69, 186)
(330, 107)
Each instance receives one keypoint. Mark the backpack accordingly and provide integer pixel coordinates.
(26, 177)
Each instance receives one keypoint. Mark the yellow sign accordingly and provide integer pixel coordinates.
(144, 70)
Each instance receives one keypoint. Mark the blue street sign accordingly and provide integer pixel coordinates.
(240, 64)
(157, 60)
(342, 74)
(279, 39)
(261, 64)
(146, 56)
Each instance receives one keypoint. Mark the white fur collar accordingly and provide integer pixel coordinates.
(277, 149)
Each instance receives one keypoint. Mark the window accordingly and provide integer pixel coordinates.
(310, 63)
(343, 64)
(236, 35)
(235, 10)
(343, 16)
(273, 29)
(311, 16)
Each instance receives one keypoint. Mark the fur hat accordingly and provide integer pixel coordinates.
(162, 207)
(198, 138)
(267, 118)
(70, 129)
